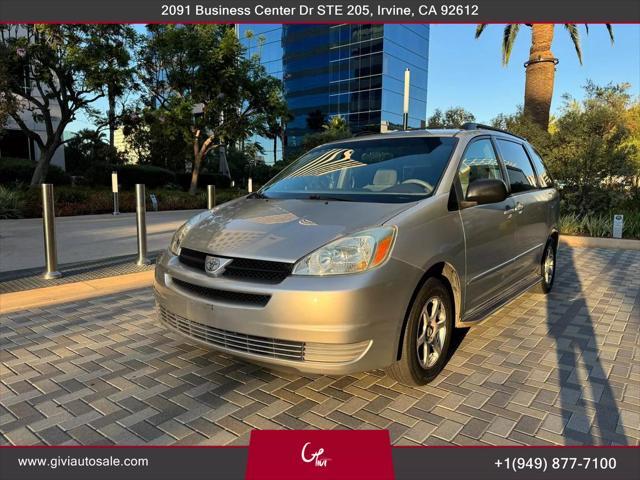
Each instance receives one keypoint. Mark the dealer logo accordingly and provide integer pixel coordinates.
(215, 266)
(316, 457)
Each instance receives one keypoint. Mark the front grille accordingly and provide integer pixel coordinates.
(268, 347)
(227, 296)
(192, 258)
(241, 268)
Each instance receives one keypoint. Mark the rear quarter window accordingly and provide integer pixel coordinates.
(544, 179)
(522, 177)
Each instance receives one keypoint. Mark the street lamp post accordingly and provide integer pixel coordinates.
(405, 109)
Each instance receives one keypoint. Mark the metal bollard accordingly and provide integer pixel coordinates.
(141, 209)
(48, 222)
(211, 196)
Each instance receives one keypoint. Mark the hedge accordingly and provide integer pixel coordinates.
(204, 179)
(128, 175)
(27, 203)
(20, 170)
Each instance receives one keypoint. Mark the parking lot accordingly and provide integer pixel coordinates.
(561, 369)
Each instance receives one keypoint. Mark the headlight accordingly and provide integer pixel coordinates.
(351, 254)
(178, 237)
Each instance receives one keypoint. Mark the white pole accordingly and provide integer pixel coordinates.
(405, 107)
(250, 185)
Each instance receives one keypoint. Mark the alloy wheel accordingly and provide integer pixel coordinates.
(549, 266)
(432, 332)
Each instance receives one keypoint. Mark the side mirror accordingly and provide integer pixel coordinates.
(486, 190)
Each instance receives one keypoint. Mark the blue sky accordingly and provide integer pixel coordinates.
(467, 72)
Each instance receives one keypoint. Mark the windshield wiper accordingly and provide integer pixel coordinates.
(337, 198)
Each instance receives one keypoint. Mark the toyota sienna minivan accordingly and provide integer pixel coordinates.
(366, 253)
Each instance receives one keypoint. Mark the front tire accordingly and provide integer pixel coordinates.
(547, 267)
(427, 336)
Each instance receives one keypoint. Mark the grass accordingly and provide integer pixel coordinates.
(12, 203)
(599, 225)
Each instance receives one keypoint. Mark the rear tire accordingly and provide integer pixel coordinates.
(427, 336)
(547, 267)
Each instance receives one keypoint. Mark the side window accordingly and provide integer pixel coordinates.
(479, 161)
(543, 176)
(519, 169)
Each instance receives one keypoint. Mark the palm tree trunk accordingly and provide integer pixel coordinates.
(111, 115)
(540, 73)
(275, 147)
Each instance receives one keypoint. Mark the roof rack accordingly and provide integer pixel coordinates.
(365, 133)
(480, 126)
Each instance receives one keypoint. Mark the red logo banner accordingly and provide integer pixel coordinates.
(319, 454)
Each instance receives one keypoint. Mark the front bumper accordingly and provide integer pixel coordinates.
(327, 325)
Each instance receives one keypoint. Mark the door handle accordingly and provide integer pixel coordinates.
(519, 207)
(508, 210)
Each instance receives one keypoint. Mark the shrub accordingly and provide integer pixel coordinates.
(151, 176)
(15, 170)
(11, 203)
(99, 174)
(20, 170)
(87, 201)
(569, 224)
(204, 179)
(599, 225)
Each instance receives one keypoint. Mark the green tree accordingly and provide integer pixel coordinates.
(336, 128)
(86, 148)
(452, 118)
(160, 136)
(593, 150)
(541, 66)
(231, 96)
(51, 72)
(119, 73)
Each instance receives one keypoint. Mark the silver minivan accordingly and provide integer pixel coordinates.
(366, 253)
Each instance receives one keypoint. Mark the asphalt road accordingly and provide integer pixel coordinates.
(83, 238)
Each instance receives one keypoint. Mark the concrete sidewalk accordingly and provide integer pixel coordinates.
(84, 238)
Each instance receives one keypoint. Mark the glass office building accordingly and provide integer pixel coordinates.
(355, 71)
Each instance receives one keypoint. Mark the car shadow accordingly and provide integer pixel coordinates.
(456, 340)
(572, 329)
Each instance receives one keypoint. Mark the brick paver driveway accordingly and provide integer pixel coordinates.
(562, 369)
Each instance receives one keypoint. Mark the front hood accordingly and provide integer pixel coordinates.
(282, 230)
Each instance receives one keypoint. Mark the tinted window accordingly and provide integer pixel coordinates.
(521, 174)
(479, 161)
(543, 176)
(389, 170)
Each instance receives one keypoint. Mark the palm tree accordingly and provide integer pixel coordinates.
(336, 123)
(541, 66)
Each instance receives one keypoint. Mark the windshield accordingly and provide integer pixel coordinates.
(382, 170)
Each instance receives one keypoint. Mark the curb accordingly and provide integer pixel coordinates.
(40, 297)
(596, 242)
